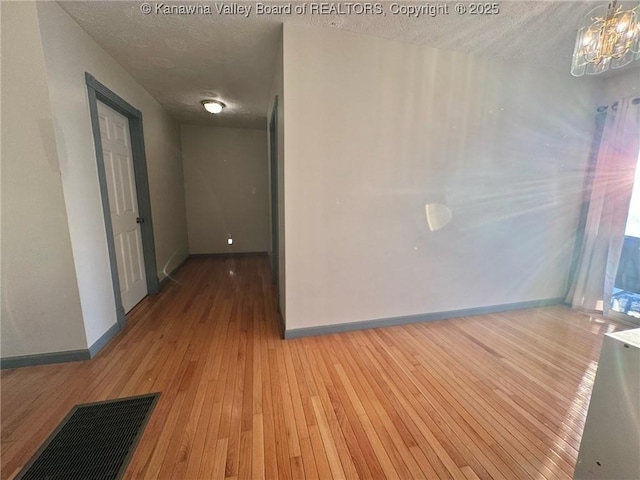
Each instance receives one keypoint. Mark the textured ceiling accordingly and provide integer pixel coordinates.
(182, 59)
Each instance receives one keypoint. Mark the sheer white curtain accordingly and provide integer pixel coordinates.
(608, 207)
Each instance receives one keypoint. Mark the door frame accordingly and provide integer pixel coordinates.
(99, 92)
(273, 170)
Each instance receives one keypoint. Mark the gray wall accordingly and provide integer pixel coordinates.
(227, 189)
(41, 310)
(377, 129)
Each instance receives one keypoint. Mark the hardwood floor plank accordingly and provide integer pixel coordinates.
(319, 452)
(501, 396)
(257, 448)
(328, 441)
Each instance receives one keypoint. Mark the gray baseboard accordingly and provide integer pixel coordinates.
(425, 317)
(103, 340)
(61, 357)
(44, 359)
(229, 254)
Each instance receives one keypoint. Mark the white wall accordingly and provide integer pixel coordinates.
(277, 90)
(227, 189)
(376, 129)
(40, 303)
(69, 53)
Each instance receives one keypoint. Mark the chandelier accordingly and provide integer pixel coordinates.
(609, 37)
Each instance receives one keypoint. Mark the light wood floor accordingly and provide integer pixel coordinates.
(499, 396)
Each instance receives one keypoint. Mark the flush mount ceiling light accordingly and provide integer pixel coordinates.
(213, 106)
(609, 37)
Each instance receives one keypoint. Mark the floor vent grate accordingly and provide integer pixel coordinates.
(94, 441)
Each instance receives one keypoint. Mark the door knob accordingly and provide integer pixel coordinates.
(139, 220)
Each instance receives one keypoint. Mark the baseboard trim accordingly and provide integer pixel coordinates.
(229, 255)
(424, 317)
(166, 279)
(44, 359)
(103, 340)
(61, 357)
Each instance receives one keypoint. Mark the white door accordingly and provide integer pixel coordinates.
(123, 202)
